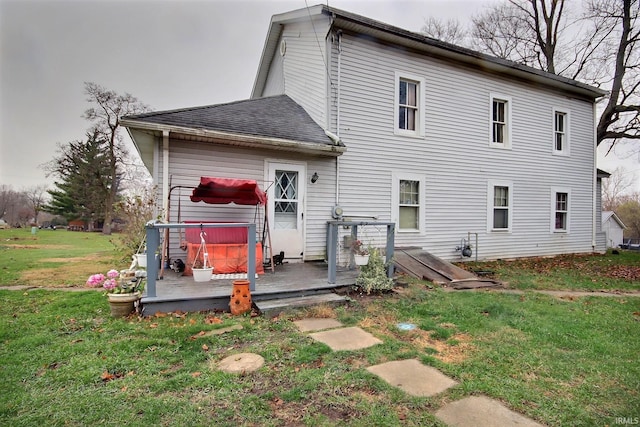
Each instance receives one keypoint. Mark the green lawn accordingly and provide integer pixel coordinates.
(54, 258)
(65, 361)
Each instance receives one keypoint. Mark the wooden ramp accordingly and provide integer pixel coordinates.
(425, 266)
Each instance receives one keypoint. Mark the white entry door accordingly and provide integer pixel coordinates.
(286, 209)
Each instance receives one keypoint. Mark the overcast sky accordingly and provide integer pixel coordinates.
(169, 54)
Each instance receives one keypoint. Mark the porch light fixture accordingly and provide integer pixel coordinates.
(314, 177)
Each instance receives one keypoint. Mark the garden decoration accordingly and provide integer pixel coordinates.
(123, 288)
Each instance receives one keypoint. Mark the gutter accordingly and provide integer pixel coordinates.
(228, 138)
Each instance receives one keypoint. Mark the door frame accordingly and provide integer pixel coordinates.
(301, 168)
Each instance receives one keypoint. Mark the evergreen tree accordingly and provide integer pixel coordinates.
(84, 180)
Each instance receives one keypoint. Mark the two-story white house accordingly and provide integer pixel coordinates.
(391, 125)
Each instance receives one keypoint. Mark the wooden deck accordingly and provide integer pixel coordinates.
(175, 292)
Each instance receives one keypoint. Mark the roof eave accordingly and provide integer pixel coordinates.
(237, 139)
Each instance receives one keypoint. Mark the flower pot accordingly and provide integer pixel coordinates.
(123, 305)
(361, 259)
(240, 297)
(141, 259)
(202, 274)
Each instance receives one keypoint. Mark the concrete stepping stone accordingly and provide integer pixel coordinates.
(476, 411)
(316, 324)
(241, 363)
(352, 338)
(413, 377)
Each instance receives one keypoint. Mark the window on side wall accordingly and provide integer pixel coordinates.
(500, 203)
(500, 121)
(560, 198)
(408, 200)
(560, 132)
(409, 101)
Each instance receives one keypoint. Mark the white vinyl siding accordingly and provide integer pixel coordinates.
(500, 203)
(408, 202)
(561, 132)
(301, 72)
(500, 121)
(409, 104)
(191, 160)
(560, 209)
(455, 159)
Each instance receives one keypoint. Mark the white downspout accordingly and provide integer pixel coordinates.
(165, 171)
(339, 36)
(595, 179)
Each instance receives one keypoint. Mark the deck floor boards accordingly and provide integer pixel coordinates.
(287, 278)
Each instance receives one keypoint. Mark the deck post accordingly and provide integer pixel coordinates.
(332, 250)
(251, 256)
(153, 241)
(391, 232)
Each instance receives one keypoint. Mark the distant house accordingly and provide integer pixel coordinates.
(613, 227)
(389, 125)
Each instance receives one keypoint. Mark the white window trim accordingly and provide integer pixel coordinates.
(419, 132)
(567, 135)
(395, 201)
(490, 193)
(554, 191)
(506, 145)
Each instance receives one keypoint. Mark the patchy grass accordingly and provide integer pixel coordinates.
(53, 258)
(592, 272)
(65, 361)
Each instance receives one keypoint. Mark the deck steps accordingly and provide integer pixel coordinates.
(273, 307)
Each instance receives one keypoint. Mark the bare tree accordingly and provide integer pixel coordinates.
(621, 115)
(629, 213)
(37, 197)
(108, 107)
(503, 30)
(599, 48)
(615, 187)
(450, 31)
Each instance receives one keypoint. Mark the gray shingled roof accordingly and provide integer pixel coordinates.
(272, 117)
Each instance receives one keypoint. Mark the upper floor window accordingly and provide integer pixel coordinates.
(409, 100)
(560, 132)
(500, 205)
(500, 121)
(408, 200)
(560, 210)
(408, 105)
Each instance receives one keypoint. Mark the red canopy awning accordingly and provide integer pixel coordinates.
(221, 191)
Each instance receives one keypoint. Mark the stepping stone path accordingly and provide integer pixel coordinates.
(416, 379)
(413, 377)
(241, 363)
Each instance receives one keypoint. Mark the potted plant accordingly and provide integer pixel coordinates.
(360, 252)
(123, 289)
(202, 268)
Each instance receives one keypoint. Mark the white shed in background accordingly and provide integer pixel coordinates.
(613, 227)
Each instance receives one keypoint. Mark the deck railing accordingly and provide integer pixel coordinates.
(332, 242)
(153, 243)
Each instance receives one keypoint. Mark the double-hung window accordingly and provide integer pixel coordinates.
(560, 132)
(500, 206)
(560, 210)
(500, 121)
(409, 101)
(408, 200)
